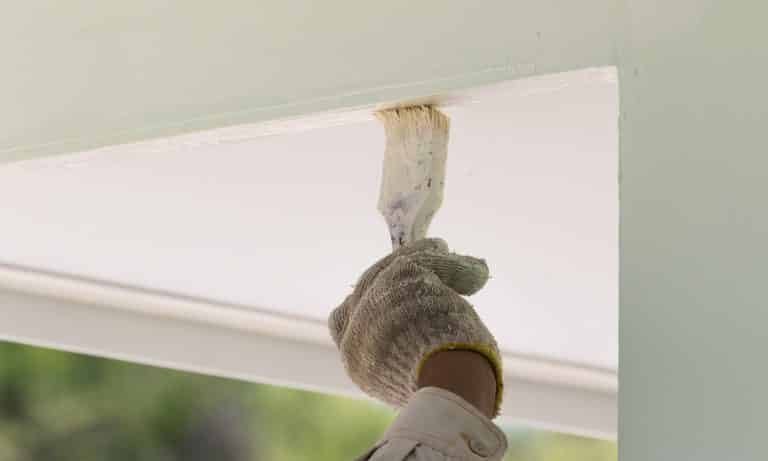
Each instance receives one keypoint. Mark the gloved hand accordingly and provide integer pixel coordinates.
(406, 307)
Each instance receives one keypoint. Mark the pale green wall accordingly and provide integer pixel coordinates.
(694, 231)
(78, 74)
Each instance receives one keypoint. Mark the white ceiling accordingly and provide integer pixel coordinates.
(287, 222)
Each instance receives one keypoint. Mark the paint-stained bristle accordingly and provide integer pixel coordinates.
(414, 170)
(414, 121)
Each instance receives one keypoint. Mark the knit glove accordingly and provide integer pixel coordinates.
(406, 307)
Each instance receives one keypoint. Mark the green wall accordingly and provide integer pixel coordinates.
(694, 231)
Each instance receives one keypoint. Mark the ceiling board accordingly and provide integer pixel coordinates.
(286, 222)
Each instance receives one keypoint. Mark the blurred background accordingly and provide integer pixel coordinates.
(59, 406)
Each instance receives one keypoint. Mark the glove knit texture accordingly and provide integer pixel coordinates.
(406, 307)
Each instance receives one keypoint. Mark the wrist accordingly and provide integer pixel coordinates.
(465, 373)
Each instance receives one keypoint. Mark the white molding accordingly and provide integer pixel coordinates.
(169, 330)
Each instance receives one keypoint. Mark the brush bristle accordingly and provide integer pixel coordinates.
(415, 119)
(414, 170)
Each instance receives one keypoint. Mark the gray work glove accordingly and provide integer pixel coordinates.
(406, 307)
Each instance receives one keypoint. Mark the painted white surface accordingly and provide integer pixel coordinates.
(287, 222)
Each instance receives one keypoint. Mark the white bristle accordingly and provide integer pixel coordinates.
(414, 170)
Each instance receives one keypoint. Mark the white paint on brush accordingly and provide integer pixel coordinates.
(414, 170)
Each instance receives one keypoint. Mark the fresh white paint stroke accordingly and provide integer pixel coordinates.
(287, 222)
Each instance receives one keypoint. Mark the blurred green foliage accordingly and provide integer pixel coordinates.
(58, 406)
